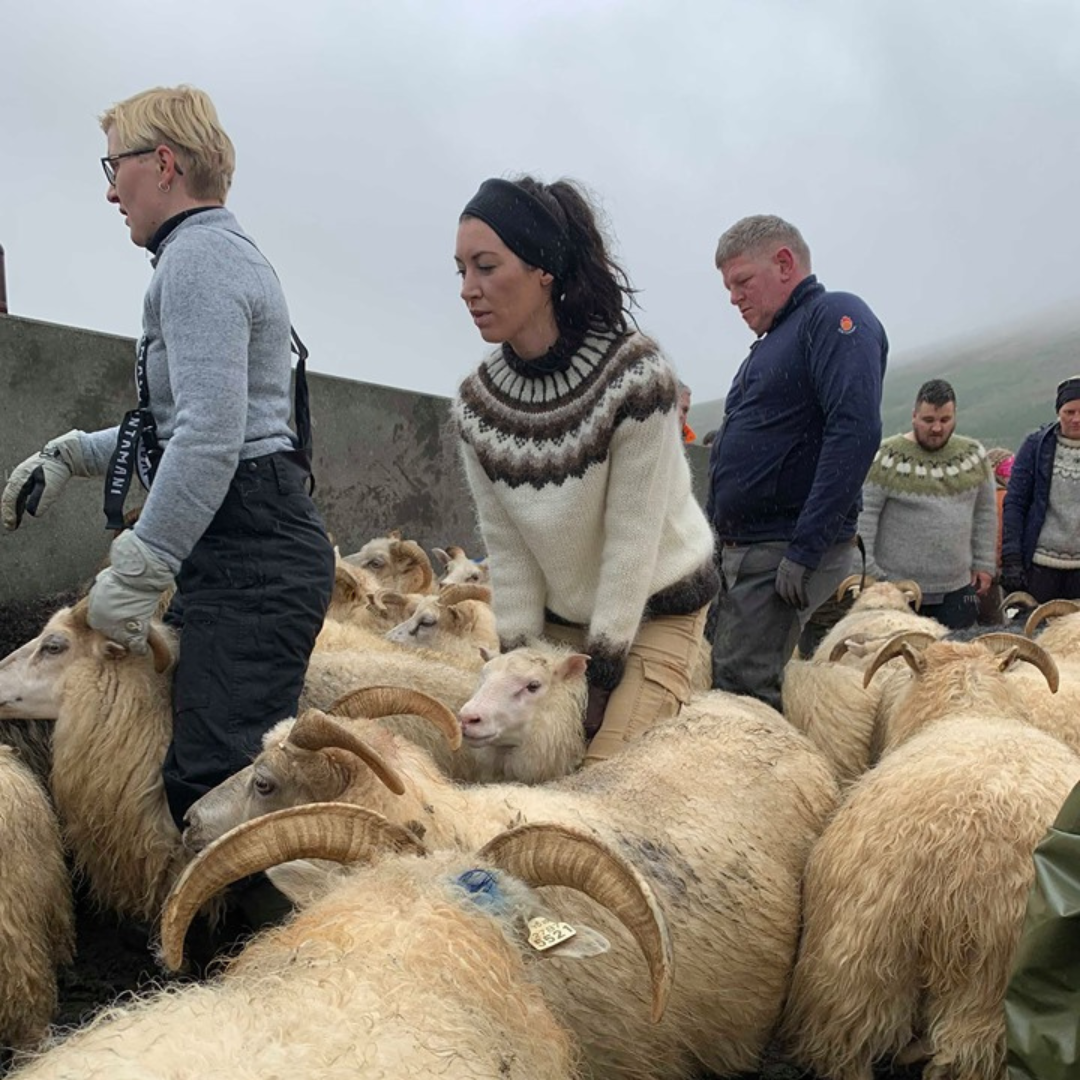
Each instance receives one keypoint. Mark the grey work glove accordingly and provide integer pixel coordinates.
(34, 485)
(791, 580)
(126, 593)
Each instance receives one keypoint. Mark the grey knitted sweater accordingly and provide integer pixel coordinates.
(929, 515)
(216, 328)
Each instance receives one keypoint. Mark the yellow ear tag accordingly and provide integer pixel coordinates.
(543, 933)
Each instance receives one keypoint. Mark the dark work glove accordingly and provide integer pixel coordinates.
(791, 583)
(1013, 576)
(594, 710)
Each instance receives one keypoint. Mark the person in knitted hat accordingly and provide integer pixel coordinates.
(929, 512)
(1040, 545)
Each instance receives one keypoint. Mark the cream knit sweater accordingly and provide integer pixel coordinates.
(583, 493)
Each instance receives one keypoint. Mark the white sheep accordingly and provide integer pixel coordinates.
(36, 919)
(416, 968)
(825, 698)
(1061, 638)
(915, 893)
(402, 565)
(459, 569)
(458, 621)
(113, 724)
(525, 721)
(361, 601)
(717, 811)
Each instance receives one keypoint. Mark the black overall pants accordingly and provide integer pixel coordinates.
(250, 601)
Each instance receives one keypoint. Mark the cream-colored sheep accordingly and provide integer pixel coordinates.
(718, 812)
(36, 920)
(825, 698)
(397, 564)
(459, 569)
(915, 893)
(458, 621)
(415, 968)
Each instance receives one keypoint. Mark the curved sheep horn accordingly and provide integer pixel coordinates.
(841, 647)
(423, 563)
(1027, 650)
(316, 731)
(545, 854)
(852, 581)
(375, 701)
(1050, 610)
(454, 594)
(904, 645)
(159, 647)
(1018, 599)
(345, 584)
(337, 831)
(909, 587)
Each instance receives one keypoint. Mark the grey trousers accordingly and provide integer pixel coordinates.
(756, 631)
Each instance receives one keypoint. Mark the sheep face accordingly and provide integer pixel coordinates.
(31, 678)
(512, 692)
(394, 563)
(291, 770)
(460, 569)
(421, 627)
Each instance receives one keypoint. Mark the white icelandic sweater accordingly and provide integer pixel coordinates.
(583, 493)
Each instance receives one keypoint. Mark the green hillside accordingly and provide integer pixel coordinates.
(1004, 384)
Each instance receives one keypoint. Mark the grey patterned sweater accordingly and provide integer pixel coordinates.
(216, 328)
(929, 515)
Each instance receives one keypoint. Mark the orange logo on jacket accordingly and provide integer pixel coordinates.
(847, 324)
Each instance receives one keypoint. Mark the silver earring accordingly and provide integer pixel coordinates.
(164, 187)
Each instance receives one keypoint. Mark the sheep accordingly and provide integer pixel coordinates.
(458, 622)
(525, 721)
(36, 917)
(1061, 638)
(825, 698)
(33, 741)
(459, 569)
(397, 564)
(915, 893)
(720, 810)
(416, 967)
(359, 600)
(113, 723)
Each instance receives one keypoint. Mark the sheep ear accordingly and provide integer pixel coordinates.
(114, 651)
(573, 666)
(488, 654)
(441, 556)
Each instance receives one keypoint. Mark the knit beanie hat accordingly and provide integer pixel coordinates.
(1068, 390)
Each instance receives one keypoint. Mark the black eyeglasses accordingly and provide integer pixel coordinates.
(108, 163)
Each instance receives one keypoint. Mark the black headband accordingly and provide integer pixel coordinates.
(524, 224)
(1068, 390)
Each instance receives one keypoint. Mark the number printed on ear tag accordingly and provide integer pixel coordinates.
(543, 933)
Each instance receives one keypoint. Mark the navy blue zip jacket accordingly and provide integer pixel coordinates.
(802, 423)
(1028, 495)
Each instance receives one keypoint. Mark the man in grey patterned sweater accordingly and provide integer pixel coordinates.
(929, 510)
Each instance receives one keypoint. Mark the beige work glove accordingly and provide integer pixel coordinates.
(35, 484)
(126, 593)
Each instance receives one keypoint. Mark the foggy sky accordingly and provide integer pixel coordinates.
(926, 150)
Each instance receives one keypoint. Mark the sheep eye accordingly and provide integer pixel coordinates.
(427, 620)
(263, 785)
(376, 563)
(533, 686)
(54, 645)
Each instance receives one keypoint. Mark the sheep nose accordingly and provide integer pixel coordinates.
(469, 719)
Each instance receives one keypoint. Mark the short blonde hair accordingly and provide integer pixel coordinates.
(185, 119)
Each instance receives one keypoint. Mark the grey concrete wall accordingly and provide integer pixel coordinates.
(383, 457)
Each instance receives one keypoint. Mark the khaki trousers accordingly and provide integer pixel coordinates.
(656, 682)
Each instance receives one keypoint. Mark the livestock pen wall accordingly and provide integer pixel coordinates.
(384, 459)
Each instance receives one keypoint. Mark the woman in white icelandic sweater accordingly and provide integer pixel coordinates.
(574, 457)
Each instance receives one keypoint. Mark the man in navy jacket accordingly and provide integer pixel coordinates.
(802, 422)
